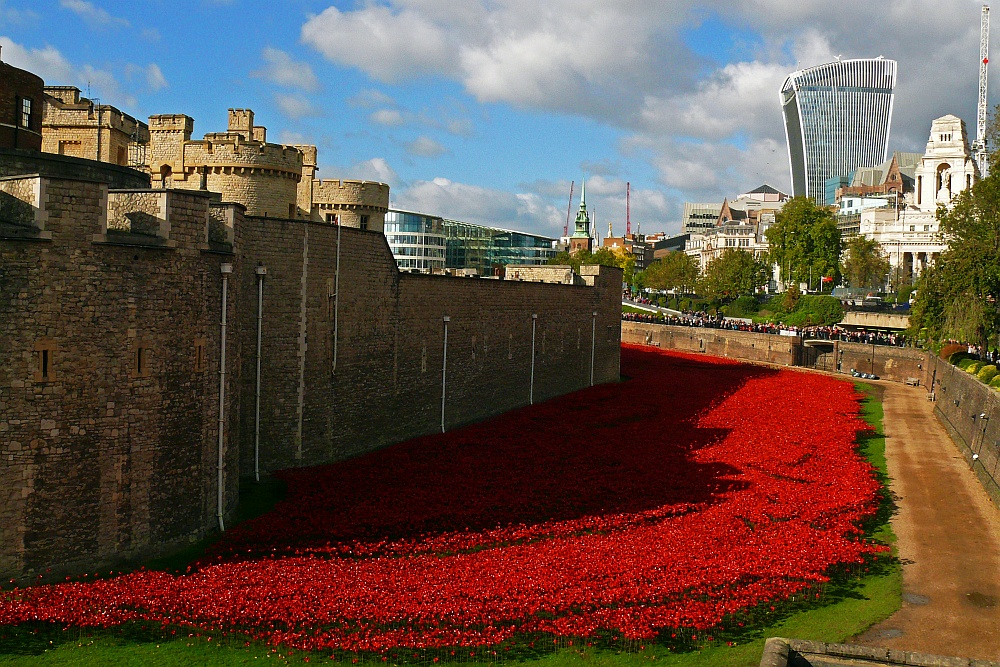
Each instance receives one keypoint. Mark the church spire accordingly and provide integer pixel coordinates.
(581, 238)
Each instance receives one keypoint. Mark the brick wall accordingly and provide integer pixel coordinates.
(107, 458)
(15, 85)
(388, 328)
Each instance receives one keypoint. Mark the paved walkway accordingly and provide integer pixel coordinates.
(949, 539)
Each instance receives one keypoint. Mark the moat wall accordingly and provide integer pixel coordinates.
(889, 363)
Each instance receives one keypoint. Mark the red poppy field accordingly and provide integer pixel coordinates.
(678, 501)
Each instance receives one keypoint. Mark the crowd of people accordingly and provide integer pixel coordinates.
(701, 319)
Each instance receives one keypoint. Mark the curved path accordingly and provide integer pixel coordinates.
(948, 536)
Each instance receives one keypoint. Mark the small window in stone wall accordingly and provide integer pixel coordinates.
(200, 363)
(25, 112)
(122, 160)
(142, 360)
(363, 224)
(291, 211)
(45, 351)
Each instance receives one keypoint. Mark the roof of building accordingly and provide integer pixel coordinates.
(766, 189)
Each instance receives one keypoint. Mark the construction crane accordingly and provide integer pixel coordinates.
(979, 147)
(569, 209)
(628, 210)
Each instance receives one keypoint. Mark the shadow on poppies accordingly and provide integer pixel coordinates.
(604, 451)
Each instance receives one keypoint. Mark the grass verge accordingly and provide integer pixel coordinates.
(851, 604)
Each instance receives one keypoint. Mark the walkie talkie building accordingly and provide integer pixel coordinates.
(837, 119)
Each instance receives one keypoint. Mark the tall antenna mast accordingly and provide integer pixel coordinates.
(628, 209)
(569, 208)
(984, 66)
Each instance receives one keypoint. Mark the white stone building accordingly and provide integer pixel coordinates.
(909, 232)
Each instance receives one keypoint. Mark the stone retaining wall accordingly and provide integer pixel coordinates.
(962, 401)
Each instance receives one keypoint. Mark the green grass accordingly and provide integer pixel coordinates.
(631, 309)
(851, 604)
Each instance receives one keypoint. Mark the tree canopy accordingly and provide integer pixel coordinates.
(804, 236)
(675, 270)
(865, 265)
(733, 273)
(957, 298)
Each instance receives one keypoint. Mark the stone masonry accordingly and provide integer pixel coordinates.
(109, 390)
(110, 316)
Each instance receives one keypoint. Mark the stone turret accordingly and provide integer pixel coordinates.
(239, 164)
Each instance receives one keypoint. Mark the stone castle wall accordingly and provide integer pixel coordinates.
(110, 320)
(109, 388)
(383, 382)
(19, 162)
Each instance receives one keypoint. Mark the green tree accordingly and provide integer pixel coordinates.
(733, 273)
(804, 236)
(957, 298)
(865, 265)
(675, 270)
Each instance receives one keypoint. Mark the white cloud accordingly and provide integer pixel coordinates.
(16, 17)
(94, 16)
(471, 203)
(709, 128)
(281, 69)
(389, 46)
(371, 98)
(151, 75)
(388, 117)
(376, 169)
(154, 77)
(296, 106)
(425, 147)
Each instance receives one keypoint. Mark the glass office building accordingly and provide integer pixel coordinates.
(484, 248)
(417, 241)
(837, 119)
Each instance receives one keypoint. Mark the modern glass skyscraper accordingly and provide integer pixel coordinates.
(837, 119)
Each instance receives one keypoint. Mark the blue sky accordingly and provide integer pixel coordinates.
(485, 110)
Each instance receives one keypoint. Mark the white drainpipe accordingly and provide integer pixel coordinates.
(261, 272)
(444, 370)
(593, 346)
(226, 269)
(531, 385)
(336, 299)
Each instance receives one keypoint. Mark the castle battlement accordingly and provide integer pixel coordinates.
(231, 150)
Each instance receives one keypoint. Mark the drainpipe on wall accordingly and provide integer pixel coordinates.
(226, 269)
(531, 385)
(336, 298)
(593, 346)
(444, 370)
(261, 272)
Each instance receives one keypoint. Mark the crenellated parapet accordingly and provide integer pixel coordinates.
(239, 164)
(351, 203)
